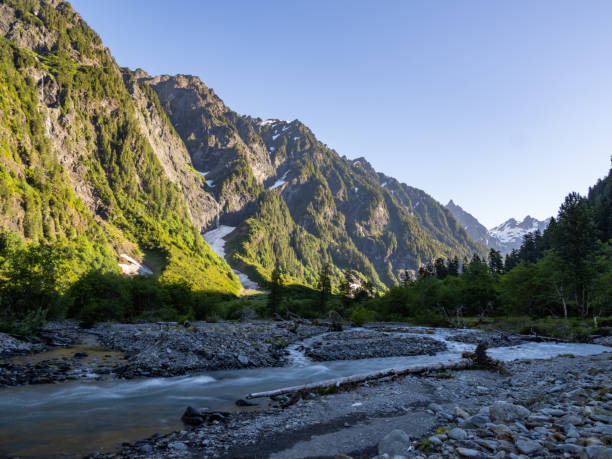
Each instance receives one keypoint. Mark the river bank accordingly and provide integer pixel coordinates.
(131, 408)
(67, 352)
(558, 407)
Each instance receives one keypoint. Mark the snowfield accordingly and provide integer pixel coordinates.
(215, 239)
(280, 182)
(132, 267)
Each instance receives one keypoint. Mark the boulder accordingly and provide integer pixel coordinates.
(467, 452)
(507, 412)
(395, 443)
(192, 417)
(177, 446)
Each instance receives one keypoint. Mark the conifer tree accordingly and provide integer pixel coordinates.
(453, 266)
(276, 288)
(324, 286)
(440, 268)
(575, 241)
(496, 262)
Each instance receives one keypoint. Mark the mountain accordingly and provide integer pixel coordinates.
(509, 235)
(295, 201)
(474, 228)
(505, 237)
(88, 159)
(127, 170)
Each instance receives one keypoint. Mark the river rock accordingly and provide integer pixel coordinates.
(507, 412)
(467, 452)
(192, 417)
(572, 419)
(459, 412)
(570, 431)
(457, 434)
(242, 402)
(527, 446)
(478, 421)
(177, 446)
(395, 443)
(435, 441)
(598, 452)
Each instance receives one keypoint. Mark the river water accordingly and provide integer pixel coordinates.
(72, 419)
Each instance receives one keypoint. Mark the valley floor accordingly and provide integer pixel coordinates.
(559, 407)
(564, 410)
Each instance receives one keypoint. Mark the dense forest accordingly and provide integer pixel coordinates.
(564, 272)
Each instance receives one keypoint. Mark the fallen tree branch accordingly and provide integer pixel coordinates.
(355, 379)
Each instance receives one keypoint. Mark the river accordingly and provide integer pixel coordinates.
(76, 418)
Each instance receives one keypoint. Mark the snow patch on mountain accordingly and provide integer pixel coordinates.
(280, 182)
(512, 232)
(504, 237)
(216, 240)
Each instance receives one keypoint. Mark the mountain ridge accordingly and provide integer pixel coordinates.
(152, 161)
(504, 237)
(327, 200)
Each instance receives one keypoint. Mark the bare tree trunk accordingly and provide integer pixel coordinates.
(338, 382)
(559, 291)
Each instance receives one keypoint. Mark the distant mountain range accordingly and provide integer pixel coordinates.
(504, 237)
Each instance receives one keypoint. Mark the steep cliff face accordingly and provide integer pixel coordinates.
(473, 227)
(225, 151)
(89, 158)
(317, 207)
(171, 152)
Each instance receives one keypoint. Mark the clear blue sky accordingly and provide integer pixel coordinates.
(504, 107)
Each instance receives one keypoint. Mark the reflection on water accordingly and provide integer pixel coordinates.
(73, 419)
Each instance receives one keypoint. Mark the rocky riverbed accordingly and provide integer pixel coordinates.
(559, 407)
(366, 344)
(66, 351)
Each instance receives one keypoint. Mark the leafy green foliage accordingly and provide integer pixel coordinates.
(137, 204)
(565, 272)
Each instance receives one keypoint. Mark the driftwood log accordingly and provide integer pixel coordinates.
(355, 379)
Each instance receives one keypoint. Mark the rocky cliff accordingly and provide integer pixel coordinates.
(296, 201)
(89, 159)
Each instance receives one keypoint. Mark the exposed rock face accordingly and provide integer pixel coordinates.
(474, 228)
(318, 206)
(102, 165)
(172, 154)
